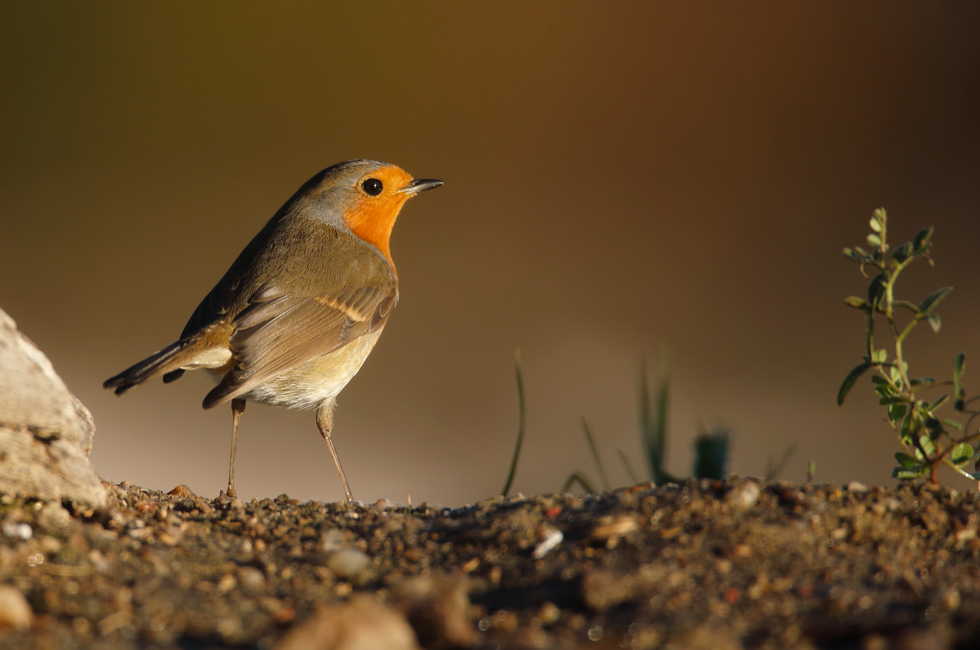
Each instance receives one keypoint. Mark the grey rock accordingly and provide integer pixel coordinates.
(45, 432)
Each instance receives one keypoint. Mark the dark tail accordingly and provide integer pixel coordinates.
(168, 360)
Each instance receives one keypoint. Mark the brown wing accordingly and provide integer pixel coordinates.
(278, 331)
(224, 296)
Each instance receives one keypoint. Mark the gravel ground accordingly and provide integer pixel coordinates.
(707, 565)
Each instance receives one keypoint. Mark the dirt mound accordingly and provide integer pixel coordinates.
(739, 563)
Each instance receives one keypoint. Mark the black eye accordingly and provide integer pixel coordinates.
(372, 186)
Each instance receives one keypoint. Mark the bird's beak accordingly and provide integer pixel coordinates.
(421, 185)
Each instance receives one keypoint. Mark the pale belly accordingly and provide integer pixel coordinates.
(317, 380)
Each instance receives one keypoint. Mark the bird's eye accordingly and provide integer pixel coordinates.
(372, 186)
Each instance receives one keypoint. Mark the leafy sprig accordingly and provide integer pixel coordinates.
(928, 439)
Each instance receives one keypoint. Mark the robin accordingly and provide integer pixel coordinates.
(301, 308)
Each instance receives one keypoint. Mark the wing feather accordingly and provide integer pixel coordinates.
(274, 336)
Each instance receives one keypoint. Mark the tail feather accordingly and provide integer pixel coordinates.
(168, 360)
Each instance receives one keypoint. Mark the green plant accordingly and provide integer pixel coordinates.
(928, 439)
(711, 453)
(710, 447)
(653, 426)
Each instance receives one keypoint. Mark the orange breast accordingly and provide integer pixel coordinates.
(372, 217)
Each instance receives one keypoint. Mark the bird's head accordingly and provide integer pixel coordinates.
(365, 196)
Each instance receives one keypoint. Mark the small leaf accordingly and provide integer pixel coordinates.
(922, 239)
(895, 374)
(922, 381)
(933, 299)
(905, 460)
(939, 402)
(857, 302)
(874, 240)
(961, 453)
(935, 322)
(908, 474)
(875, 223)
(849, 381)
(953, 423)
(853, 255)
(879, 356)
(878, 379)
(909, 428)
(901, 253)
(934, 429)
(876, 289)
(927, 445)
(896, 412)
(884, 390)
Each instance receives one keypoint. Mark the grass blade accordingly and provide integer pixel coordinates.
(578, 477)
(520, 427)
(628, 466)
(595, 455)
(775, 468)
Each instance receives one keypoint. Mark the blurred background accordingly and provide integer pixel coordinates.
(619, 180)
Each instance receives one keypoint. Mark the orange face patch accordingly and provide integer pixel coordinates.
(371, 217)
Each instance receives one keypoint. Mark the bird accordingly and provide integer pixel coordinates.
(301, 308)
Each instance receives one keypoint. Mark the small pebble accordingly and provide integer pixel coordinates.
(181, 492)
(14, 611)
(743, 495)
(348, 563)
(603, 589)
(53, 515)
(227, 583)
(617, 527)
(359, 624)
(251, 578)
(17, 531)
(552, 538)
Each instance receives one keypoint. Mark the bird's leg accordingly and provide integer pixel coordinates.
(324, 420)
(237, 408)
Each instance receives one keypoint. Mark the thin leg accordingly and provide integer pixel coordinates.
(237, 408)
(324, 420)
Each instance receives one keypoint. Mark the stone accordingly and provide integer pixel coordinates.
(744, 494)
(15, 613)
(359, 624)
(438, 608)
(602, 589)
(349, 564)
(45, 431)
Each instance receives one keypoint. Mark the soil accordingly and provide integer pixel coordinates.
(740, 563)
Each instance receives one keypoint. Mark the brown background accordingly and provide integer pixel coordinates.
(618, 178)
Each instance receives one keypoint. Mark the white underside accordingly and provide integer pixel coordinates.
(213, 358)
(318, 380)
